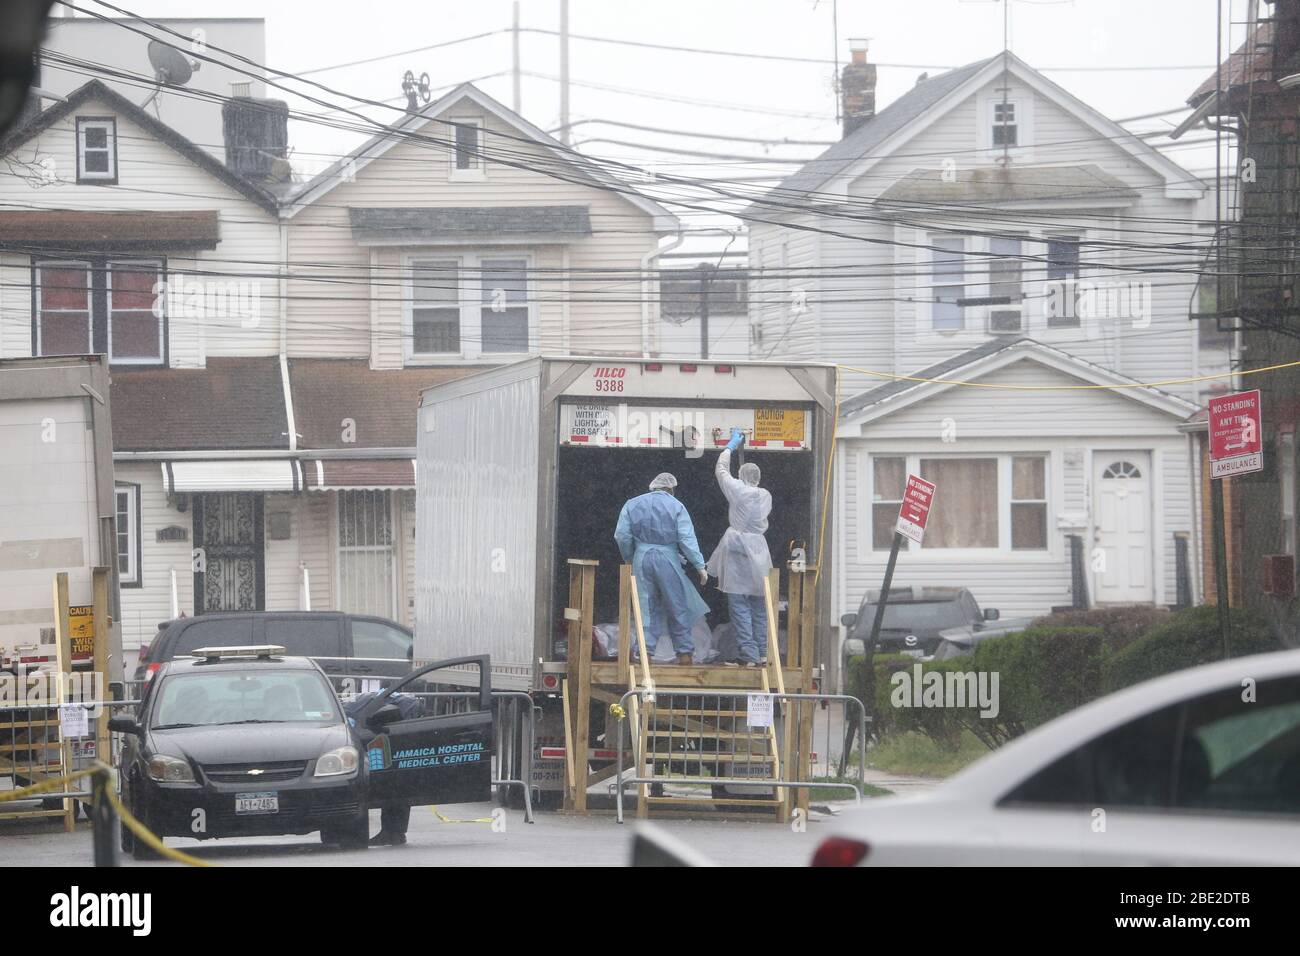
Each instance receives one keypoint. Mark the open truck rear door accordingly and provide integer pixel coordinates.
(428, 760)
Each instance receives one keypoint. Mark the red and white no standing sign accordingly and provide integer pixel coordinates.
(918, 496)
(1236, 435)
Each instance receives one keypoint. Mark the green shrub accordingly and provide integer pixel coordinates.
(1120, 626)
(1188, 638)
(1059, 663)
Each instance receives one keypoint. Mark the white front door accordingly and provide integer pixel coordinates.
(1121, 551)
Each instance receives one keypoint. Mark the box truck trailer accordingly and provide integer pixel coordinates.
(58, 510)
(525, 466)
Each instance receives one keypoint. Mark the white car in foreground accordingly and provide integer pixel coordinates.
(1200, 767)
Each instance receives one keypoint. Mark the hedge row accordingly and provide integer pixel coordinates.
(1057, 664)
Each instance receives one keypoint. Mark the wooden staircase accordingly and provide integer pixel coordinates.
(688, 726)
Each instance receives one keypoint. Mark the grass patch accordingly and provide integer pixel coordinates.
(835, 793)
(916, 755)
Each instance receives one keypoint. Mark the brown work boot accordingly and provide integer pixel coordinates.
(685, 660)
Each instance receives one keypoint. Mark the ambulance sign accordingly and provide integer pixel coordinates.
(1236, 439)
(918, 496)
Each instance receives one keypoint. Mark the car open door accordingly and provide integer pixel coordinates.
(431, 759)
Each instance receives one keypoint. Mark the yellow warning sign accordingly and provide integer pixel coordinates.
(779, 424)
(82, 630)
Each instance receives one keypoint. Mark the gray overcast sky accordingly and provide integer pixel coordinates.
(784, 99)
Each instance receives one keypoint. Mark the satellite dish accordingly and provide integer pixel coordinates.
(170, 68)
(169, 64)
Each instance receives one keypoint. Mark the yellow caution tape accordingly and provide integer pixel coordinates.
(618, 711)
(46, 786)
(142, 833)
(447, 819)
(131, 823)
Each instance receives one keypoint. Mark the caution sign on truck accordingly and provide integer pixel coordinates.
(779, 424)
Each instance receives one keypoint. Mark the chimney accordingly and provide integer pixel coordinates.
(857, 88)
(256, 133)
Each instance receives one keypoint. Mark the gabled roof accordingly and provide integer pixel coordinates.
(354, 162)
(968, 366)
(97, 91)
(928, 101)
(864, 140)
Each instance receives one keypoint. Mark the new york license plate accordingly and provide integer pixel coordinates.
(266, 801)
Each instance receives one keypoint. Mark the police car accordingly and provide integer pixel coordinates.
(245, 741)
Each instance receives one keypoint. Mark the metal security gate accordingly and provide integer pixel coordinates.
(229, 572)
(367, 578)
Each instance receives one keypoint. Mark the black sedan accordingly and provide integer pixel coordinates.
(233, 745)
(244, 741)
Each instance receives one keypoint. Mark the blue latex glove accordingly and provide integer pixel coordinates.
(737, 439)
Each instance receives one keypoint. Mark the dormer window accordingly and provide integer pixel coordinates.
(1005, 130)
(96, 150)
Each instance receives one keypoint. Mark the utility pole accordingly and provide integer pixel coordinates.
(564, 72)
(514, 41)
(704, 310)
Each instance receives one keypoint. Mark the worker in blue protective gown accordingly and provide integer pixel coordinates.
(655, 533)
(741, 561)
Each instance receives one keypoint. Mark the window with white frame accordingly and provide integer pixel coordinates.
(96, 150)
(992, 502)
(435, 307)
(100, 305)
(1005, 285)
(469, 307)
(947, 283)
(467, 148)
(128, 534)
(888, 476)
(1005, 127)
(367, 580)
(504, 305)
(1061, 294)
(1028, 503)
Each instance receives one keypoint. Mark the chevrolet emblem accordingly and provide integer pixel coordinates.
(254, 773)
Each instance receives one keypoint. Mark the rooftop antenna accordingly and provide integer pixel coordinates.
(170, 68)
(416, 92)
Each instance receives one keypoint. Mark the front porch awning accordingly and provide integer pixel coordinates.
(232, 474)
(334, 474)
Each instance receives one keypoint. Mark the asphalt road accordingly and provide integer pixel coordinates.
(554, 840)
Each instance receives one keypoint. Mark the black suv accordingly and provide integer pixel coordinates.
(346, 646)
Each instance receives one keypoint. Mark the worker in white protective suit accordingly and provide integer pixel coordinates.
(741, 560)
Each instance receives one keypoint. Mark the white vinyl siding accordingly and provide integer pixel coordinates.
(156, 177)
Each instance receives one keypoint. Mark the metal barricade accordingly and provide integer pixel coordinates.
(515, 722)
(34, 749)
(708, 731)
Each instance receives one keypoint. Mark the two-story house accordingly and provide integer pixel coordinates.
(268, 340)
(1001, 272)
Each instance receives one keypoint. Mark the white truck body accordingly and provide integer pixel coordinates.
(57, 504)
